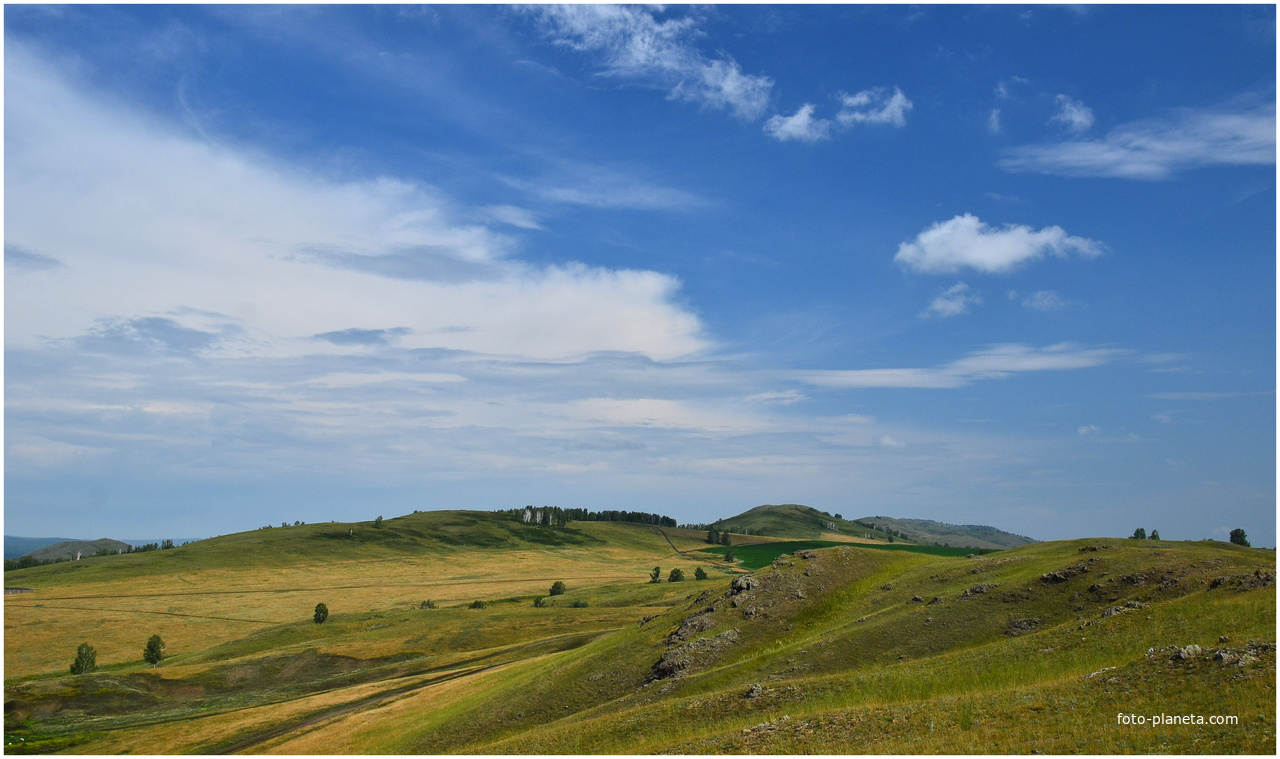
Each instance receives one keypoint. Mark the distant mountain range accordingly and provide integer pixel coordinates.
(793, 520)
(16, 546)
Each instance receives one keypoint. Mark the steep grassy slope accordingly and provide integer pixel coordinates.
(837, 637)
(798, 523)
(966, 535)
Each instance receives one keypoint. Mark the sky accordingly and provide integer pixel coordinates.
(1004, 265)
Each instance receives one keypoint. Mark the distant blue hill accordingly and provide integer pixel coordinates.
(16, 546)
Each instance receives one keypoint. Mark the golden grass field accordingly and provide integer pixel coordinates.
(843, 644)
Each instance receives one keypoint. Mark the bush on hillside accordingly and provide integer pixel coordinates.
(378, 522)
(1139, 534)
(557, 588)
(729, 557)
(86, 660)
(540, 602)
(699, 574)
(579, 604)
(677, 575)
(656, 575)
(322, 613)
(1155, 535)
(427, 605)
(478, 604)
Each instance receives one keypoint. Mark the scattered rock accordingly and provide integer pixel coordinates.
(1223, 638)
(1137, 578)
(1062, 575)
(807, 554)
(699, 621)
(1186, 653)
(742, 584)
(692, 655)
(755, 690)
(1019, 626)
(886, 586)
(917, 600)
(1096, 588)
(982, 587)
(1226, 657)
(936, 600)
(972, 556)
(1258, 579)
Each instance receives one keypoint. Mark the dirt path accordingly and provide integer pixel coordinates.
(663, 533)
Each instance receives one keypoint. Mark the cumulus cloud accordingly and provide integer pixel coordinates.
(1077, 116)
(153, 226)
(1160, 148)
(965, 241)
(633, 43)
(800, 126)
(874, 106)
(953, 301)
(995, 362)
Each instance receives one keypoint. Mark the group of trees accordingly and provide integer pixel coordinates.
(86, 659)
(676, 575)
(554, 516)
(716, 537)
(1238, 536)
(1141, 534)
(889, 532)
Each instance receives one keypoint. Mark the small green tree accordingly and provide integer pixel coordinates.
(86, 660)
(1155, 535)
(154, 651)
(557, 588)
(677, 575)
(656, 575)
(713, 537)
(378, 522)
(166, 545)
(478, 604)
(540, 602)
(1139, 534)
(729, 557)
(427, 605)
(890, 538)
(724, 538)
(1239, 538)
(322, 613)
(699, 574)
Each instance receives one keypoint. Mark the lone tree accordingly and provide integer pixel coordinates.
(1239, 538)
(677, 575)
(378, 522)
(154, 651)
(713, 537)
(557, 588)
(656, 575)
(86, 660)
(724, 538)
(699, 574)
(477, 604)
(1155, 535)
(1139, 534)
(322, 613)
(729, 557)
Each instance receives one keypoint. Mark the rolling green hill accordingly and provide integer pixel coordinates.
(70, 549)
(792, 520)
(850, 648)
(963, 535)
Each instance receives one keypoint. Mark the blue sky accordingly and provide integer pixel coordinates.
(1003, 265)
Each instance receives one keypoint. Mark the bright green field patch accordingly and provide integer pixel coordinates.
(761, 554)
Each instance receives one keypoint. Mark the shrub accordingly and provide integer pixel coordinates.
(322, 613)
(378, 522)
(154, 651)
(557, 588)
(1139, 534)
(579, 604)
(699, 574)
(86, 660)
(1155, 535)
(540, 602)
(427, 605)
(478, 604)
(729, 557)
(677, 575)
(656, 575)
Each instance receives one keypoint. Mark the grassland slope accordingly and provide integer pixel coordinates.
(796, 522)
(70, 549)
(963, 535)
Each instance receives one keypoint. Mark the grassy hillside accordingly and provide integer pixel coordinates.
(16, 545)
(71, 548)
(798, 523)
(842, 649)
(964, 535)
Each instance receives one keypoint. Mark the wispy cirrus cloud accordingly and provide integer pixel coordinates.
(1158, 149)
(874, 106)
(800, 126)
(995, 362)
(966, 242)
(632, 42)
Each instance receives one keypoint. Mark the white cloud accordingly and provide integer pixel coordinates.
(1077, 116)
(993, 121)
(635, 44)
(996, 362)
(512, 215)
(156, 230)
(874, 106)
(1089, 429)
(801, 126)
(1159, 148)
(953, 301)
(889, 442)
(965, 241)
(1045, 300)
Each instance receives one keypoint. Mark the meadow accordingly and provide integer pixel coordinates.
(837, 648)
